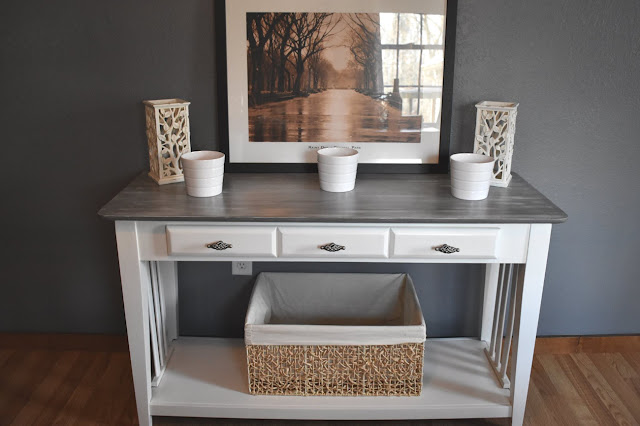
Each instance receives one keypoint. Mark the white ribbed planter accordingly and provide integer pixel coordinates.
(471, 176)
(203, 173)
(495, 131)
(337, 169)
(168, 136)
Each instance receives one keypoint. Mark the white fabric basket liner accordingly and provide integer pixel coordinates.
(333, 309)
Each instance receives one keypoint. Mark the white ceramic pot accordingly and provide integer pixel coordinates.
(202, 160)
(337, 186)
(471, 176)
(340, 156)
(202, 173)
(470, 195)
(337, 169)
(472, 162)
(203, 183)
(209, 191)
(338, 177)
(467, 185)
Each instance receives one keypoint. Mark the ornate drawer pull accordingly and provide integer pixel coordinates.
(332, 247)
(447, 249)
(219, 245)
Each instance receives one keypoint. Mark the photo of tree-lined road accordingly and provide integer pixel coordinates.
(323, 77)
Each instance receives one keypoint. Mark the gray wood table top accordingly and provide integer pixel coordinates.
(297, 197)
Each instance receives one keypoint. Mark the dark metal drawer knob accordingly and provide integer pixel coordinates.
(219, 245)
(447, 249)
(332, 247)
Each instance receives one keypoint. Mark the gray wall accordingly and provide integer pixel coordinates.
(73, 75)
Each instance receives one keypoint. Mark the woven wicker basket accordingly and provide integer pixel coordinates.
(367, 370)
(315, 357)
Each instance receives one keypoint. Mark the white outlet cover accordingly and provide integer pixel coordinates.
(241, 268)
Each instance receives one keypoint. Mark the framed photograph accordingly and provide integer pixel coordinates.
(301, 75)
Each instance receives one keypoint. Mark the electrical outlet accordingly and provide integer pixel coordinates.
(241, 268)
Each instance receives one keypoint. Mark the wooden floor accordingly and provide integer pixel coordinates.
(86, 380)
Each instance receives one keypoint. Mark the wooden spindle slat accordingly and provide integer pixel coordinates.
(508, 276)
(155, 357)
(157, 318)
(163, 312)
(512, 319)
(496, 309)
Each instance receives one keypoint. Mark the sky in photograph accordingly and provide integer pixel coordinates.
(337, 51)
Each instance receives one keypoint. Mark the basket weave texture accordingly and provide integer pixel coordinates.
(338, 370)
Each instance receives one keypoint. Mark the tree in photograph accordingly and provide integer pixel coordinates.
(319, 71)
(260, 28)
(282, 35)
(356, 72)
(270, 65)
(366, 49)
(308, 32)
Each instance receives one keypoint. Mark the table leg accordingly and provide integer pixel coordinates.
(490, 286)
(529, 287)
(135, 279)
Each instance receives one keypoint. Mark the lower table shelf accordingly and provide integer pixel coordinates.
(207, 377)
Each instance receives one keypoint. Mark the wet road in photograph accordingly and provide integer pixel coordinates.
(335, 115)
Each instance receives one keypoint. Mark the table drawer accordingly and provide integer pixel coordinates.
(233, 241)
(299, 242)
(427, 243)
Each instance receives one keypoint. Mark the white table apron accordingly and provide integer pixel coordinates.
(464, 378)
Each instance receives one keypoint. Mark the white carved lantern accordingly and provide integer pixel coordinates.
(495, 130)
(168, 136)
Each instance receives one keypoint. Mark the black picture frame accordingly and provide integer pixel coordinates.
(446, 112)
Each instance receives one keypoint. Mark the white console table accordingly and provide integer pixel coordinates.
(286, 217)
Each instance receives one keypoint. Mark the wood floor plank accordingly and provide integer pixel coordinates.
(64, 342)
(129, 415)
(607, 395)
(560, 407)
(66, 386)
(537, 410)
(106, 404)
(32, 367)
(5, 354)
(623, 367)
(613, 369)
(41, 396)
(575, 408)
(633, 358)
(557, 345)
(11, 369)
(74, 408)
(588, 395)
(610, 344)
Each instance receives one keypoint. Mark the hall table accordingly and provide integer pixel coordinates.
(392, 218)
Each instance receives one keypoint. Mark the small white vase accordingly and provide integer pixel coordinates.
(337, 169)
(471, 176)
(203, 173)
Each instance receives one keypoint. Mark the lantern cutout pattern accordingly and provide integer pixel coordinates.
(495, 131)
(168, 136)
